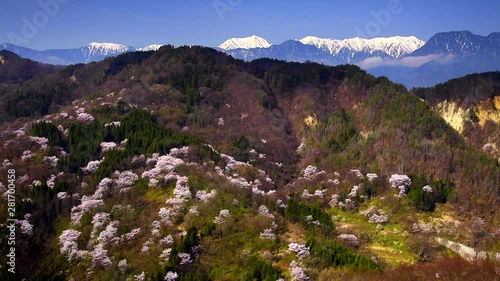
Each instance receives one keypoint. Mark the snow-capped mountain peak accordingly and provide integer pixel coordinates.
(96, 49)
(153, 47)
(106, 48)
(396, 46)
(245, 43)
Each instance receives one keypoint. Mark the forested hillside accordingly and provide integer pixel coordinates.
(187, 164)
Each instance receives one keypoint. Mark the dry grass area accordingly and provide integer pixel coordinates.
(295, 234)
(391, 256)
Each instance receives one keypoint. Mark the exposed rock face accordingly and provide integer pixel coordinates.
(465, 252)
(453, 114)
(456, 115)
(489, 110)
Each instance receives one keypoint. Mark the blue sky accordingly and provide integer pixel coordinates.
(75, 23)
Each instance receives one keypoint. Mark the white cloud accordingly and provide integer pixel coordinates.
(411, 62)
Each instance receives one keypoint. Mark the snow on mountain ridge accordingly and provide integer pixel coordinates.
(106, 48)
(396, 46)
(103, 49)
(153, 47)
(245, 43)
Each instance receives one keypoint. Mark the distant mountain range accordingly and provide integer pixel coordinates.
(406, 60)
(324, 50)
(89, 53)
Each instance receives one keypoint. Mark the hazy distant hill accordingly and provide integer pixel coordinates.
(89, 53)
